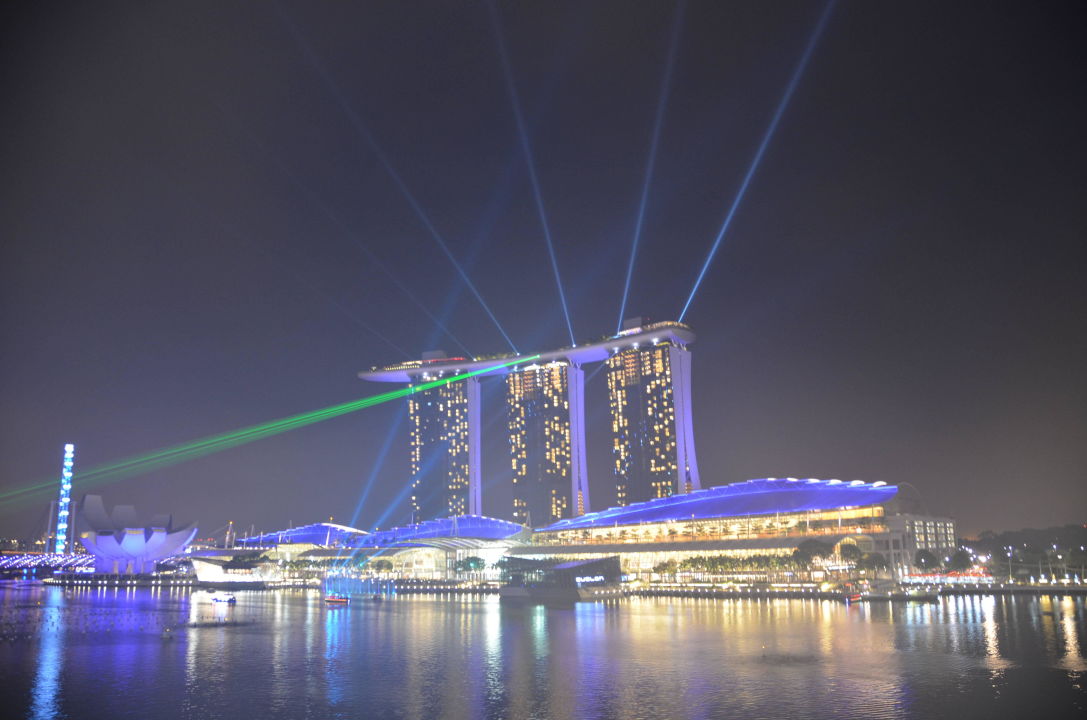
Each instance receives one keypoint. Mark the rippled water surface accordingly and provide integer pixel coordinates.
(173, 654)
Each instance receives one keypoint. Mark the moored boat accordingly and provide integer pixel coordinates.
(571, 581)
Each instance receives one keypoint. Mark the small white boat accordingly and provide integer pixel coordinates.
(223, 597)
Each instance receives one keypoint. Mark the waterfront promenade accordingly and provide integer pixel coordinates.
(899, 592)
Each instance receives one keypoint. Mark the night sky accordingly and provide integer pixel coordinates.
(198, 235)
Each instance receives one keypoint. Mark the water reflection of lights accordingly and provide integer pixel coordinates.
(192, 647)
(1049, 625)
(959, 610)
(45, 697)
(492, 642)
(539, 631)
(279, 678)
(309, 624)
(464, 658)
(337, 640)
(994, 659)
(1073, 657)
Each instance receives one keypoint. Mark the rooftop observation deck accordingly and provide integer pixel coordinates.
(595, 351)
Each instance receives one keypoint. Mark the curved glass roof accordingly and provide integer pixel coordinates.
(465, 526)
(332, 535)
(754, 497)
(324, 534)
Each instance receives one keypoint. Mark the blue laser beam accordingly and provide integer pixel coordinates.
(377, 467)
(343, 310)
(364, 325)
(526, 146)
(396, 504)
(786, 96)
(394, 430)
(363, 130)
(498, 196)
(501, 192)
(662, 101)
(397, 501)
(482, 231)
(595, 372)
(334, 218)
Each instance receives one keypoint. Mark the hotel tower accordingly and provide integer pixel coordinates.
(545, 412)
(649, 391)
(648, 372)
(444, 446)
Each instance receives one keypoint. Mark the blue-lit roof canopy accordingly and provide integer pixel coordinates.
(476, 527)
(754, 497)
(324, 534)
(466, 526)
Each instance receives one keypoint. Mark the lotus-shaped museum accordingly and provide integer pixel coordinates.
(122, 545)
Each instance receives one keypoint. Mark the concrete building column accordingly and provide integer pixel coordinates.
(579, 474)
(686, 461)
(475, 456)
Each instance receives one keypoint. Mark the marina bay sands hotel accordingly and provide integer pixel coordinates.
(649, 389)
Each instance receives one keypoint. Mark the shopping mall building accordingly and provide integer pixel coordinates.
(766, 518)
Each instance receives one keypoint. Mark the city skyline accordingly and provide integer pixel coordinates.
(215, 215)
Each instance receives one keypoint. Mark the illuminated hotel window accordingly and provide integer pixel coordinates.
(538, 419)
(440, 451)
(643, 422)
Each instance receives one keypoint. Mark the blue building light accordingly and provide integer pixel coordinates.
(754, 497)
(320, 534)
(64, 498)
(331, 535)
(477, 527)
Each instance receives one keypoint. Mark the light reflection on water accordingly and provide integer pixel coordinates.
(174, 654)
(45, 694)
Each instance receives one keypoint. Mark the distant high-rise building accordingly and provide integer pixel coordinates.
(545, 413)
(445, 452)
(649, 390)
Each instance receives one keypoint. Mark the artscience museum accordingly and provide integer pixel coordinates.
(122, 545)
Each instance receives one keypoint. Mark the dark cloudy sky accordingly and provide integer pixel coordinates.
(194, 227)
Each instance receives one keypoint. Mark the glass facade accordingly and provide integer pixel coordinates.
(766, 517)
(444, 450)
(541, 447)
(469, 526)
(652, 440)
(808, 524)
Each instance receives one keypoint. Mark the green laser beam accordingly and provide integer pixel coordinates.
(215, 443)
